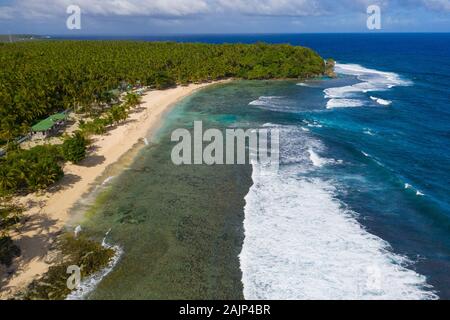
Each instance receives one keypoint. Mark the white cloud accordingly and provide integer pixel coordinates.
(182, 8)
(172, 8)
(150, 8)
(6, 13)
(177, 9)
(437, 4)
(274, 7)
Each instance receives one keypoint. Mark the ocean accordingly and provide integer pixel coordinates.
(360, 207)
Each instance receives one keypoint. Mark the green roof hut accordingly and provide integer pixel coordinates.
(49, 126)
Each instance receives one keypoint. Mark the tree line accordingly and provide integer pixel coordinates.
(38, 168)
(42, 77)
(35, 169)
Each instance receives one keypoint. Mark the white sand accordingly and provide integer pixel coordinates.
(49, 212)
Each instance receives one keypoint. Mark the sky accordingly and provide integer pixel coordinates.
(141, 17)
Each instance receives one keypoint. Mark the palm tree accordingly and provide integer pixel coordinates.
(132, 100)
(8, 180)
(118, 114)
(39, 78)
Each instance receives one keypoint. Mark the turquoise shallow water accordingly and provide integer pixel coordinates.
(180, 227)
(359, 209)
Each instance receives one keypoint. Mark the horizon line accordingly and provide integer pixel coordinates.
(235, 34)
(220, 34)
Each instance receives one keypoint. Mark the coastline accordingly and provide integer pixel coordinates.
(48, 213)
(180, 227)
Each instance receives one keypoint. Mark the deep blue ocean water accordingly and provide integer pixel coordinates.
(363, 191)
(396, 158)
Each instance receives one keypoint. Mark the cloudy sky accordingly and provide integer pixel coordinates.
(138, 17)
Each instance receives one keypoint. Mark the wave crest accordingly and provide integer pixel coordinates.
(371, 80)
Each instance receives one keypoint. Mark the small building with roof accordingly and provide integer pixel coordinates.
(49, 126)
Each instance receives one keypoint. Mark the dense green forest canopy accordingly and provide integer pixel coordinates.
(41, 77)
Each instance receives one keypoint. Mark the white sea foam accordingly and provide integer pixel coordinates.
(371, 80)
(296, 151)
(319, 161)
(369, 132)
(302, 84)
(302, 243)
(384, 102)
(274, 103)
(381, 101)
(411, 187)
(316, 160)
(313, 123)
(265, 101)
(270, 125)
(344, 103)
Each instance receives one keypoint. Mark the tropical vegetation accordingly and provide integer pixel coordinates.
(42, 77)
(80, 251)
(10, 216)
(30, 170)
(74, 148)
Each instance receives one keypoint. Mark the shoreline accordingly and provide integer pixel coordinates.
(180, 227)
(48, 213)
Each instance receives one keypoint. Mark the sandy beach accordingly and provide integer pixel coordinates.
(49, 212)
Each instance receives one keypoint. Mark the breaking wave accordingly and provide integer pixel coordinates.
(302, 243)
(370, 80)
